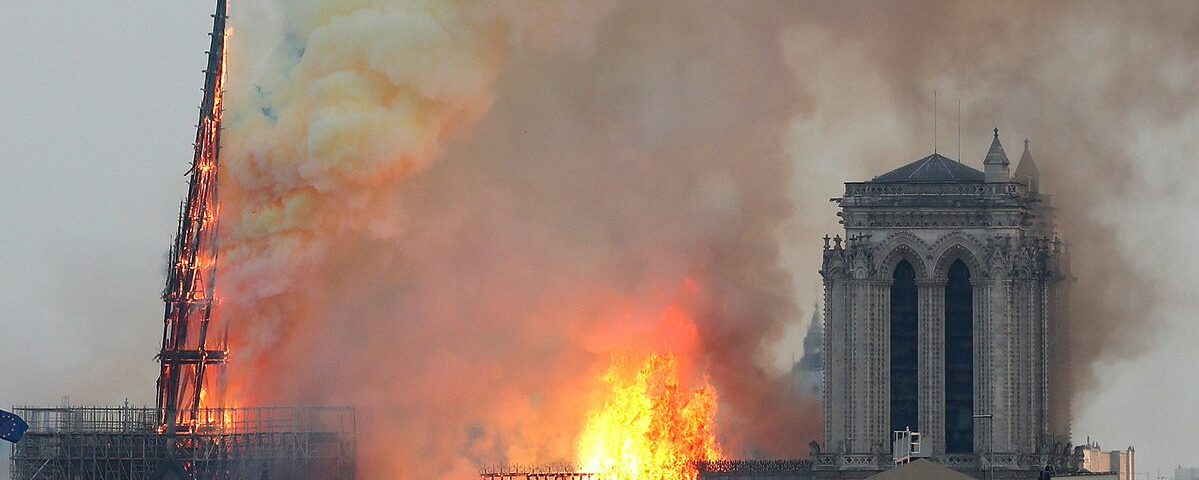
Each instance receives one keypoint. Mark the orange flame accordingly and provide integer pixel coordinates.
(649, 428)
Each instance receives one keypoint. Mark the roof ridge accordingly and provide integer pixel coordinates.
(923, 163)
(945, 167)
(932, 168)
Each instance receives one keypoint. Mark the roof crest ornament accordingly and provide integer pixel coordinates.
(996, 155)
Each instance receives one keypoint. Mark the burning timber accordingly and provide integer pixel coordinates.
(191, 433)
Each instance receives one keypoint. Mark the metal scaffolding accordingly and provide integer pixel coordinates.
(187, 435)
(122, 443)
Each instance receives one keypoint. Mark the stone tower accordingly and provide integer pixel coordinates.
(944, 314)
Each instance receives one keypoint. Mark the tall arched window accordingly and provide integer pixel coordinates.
(904, 343)
(959, 361)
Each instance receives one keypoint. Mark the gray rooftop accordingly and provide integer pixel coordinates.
(921, 469)
(933, 168)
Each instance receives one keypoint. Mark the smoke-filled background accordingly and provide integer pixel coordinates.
(452, 214)
(622, 192)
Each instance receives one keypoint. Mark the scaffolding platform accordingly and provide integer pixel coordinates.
(123, 443)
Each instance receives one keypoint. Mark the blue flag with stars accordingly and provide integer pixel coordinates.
(12, 427)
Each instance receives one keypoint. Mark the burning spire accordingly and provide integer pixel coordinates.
(189, 356)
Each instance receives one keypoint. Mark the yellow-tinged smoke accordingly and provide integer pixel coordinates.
(465, 290)
(349, 97)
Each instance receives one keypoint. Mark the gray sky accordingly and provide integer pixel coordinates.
(99, 102)
(97, 106)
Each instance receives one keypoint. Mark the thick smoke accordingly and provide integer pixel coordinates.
(1102, 90)
(625, 197)
(452, 214)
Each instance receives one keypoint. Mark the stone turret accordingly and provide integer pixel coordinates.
(995, 167)
(944, 313)
(1026, 171)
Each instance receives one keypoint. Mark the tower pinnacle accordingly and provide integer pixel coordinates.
(191, 354)
(996, 163)
(1026, 171)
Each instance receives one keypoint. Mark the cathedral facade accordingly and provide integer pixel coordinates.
(944, 315)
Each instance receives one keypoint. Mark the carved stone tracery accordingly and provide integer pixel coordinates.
(1002, 235)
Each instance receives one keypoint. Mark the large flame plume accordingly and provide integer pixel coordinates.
(465, 290)
(468, 306)
(650, 426)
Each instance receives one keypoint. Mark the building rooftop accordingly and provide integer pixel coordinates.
(933, 168)
(920, 470)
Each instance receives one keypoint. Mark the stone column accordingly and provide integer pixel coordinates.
(931, 363)
(983, 364)
(880, 361)
(858, 371)
(1002, 379)
(1033, 347)
(833, 357)
(868, 367)
(1028, 360)
(1044, 437)
(1025, 355)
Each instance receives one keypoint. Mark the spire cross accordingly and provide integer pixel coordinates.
(1026, 144)
(996, 133)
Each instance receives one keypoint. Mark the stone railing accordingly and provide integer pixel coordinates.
(863, 461)
(754, 466)
(870, 189)
(1003, 461)
(824, 461)
(964, 461)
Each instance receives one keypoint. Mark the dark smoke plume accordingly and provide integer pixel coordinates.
(466, 286)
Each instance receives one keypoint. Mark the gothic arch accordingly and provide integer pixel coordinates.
(834, 267)
(835, 273)
(958, 246)
(1022, 270)
(903, 246)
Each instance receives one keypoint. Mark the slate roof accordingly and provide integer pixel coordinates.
(933, 168)
(921, 469)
